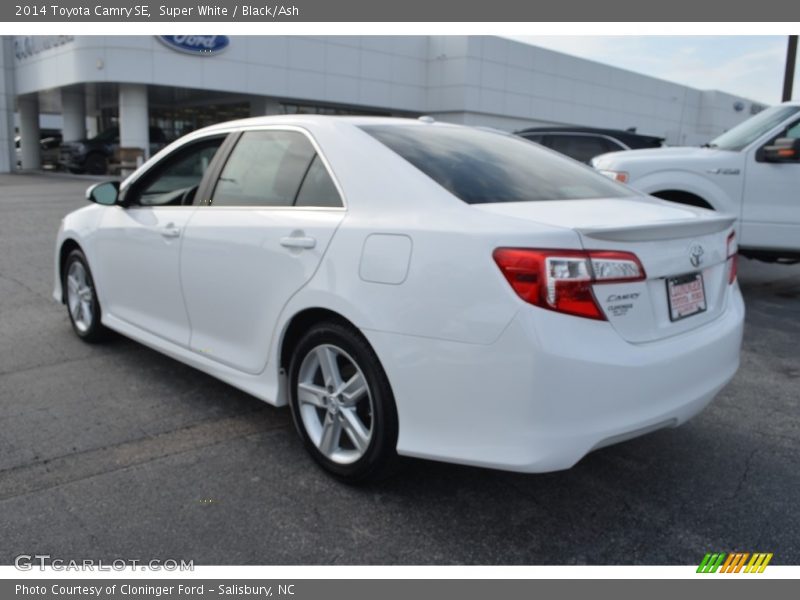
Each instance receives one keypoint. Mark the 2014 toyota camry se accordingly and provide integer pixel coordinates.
(412, 288)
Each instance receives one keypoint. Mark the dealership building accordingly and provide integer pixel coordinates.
(83, 85)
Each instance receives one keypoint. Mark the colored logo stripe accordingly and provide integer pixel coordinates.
(711, 563)
(758, 563)
(734, 562)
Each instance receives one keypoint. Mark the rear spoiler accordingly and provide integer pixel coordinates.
(669, 230)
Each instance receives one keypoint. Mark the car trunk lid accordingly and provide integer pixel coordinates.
(683, 250)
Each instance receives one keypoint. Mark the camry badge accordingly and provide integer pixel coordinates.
(696, 255)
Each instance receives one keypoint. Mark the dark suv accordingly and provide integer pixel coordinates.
(93, 155)
(584, 143)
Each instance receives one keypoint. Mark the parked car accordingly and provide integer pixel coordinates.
(49, 143)
(412, 288)
(584, 143)
(95, 154)
(751, 172)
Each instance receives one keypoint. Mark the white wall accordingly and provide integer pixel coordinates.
(507, 84)
(477, 80)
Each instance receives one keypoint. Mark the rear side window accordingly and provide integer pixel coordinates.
(318, 188)
(582, 147)
(481, 166)
(534, 137)
(265, 168)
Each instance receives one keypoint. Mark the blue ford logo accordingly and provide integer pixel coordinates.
(196, 44)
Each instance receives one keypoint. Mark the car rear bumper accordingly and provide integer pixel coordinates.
(552, 387)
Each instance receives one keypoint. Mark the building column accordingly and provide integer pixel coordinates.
(134, 130)
(73, 112)
(8, 151)
(29, 134)
(261, 106)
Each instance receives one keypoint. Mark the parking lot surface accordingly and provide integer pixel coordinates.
(115, 451)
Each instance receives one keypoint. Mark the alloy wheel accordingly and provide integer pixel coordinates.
(335, 404)
(80, 297)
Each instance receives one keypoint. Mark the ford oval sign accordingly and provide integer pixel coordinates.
(204, 45)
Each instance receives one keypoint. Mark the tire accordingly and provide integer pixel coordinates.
(83, 307)
(96, 164)
(342, 404)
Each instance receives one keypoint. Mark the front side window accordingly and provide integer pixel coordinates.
(480, 166)
(793, 131)
(274, 168)
(174, 180)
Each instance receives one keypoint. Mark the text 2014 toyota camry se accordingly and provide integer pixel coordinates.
(412, 288)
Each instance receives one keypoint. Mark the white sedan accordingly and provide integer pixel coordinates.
(412, 288)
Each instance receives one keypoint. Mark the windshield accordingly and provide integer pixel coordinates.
(752, 129)
(481, 166)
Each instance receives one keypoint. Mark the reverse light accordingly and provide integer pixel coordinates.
(561, 280)
(620, 176)
(733, 257)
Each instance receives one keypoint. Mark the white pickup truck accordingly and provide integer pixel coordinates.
(751, 171)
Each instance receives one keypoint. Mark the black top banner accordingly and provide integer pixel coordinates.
(178, 11)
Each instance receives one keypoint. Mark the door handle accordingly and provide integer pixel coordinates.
(170, 231)
(306, 243)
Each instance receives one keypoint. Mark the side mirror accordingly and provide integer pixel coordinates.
(783, 150)
(105, 193)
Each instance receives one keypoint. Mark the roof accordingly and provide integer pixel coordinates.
(306, 119)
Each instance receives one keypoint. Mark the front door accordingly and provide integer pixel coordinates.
(771, 206)
(142, 241)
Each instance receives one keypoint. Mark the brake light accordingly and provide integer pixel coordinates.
(733, 257)
(561, 280)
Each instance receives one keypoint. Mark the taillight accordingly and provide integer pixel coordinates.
(620, 176)
(733, 257)
(562, 280)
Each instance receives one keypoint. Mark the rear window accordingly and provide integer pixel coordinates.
(480, 167)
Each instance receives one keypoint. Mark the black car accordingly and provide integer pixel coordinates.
(584, 143)
(94, 155)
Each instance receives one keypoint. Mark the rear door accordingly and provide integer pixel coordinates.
(270, 217)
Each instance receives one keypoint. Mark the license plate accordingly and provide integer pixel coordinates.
(686, 296)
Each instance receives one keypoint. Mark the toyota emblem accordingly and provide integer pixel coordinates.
(696, 255)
